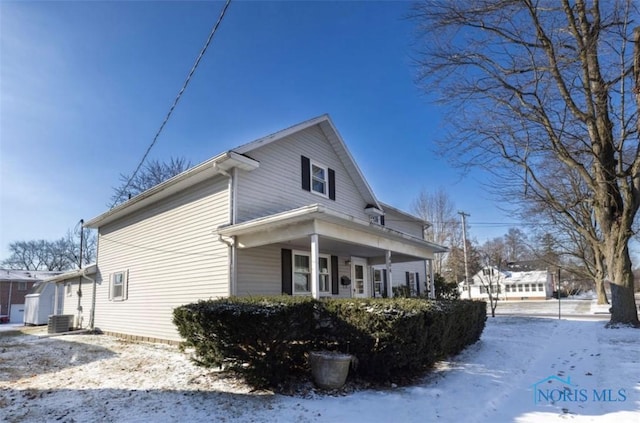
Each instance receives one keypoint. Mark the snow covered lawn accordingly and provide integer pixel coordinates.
(523, 369)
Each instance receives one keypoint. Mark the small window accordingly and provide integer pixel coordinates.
(483, 290)
(540, 287)
(118, 291)
(22, 286)
(526, 287)
(507, 288)
(319, 179)
(533, 287)
(519, 288)
(67, 289)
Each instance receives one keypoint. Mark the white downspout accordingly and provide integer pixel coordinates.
(93, 298)
(231, 188)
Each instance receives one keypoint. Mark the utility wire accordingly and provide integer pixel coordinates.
(175, 102)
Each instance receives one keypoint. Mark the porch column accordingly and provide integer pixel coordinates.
(432, 288)
(389, 276)
(55, 299)
(315, 287)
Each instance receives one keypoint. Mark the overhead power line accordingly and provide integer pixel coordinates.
(175, 102)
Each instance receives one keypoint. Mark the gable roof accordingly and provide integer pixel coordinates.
(237, 157)
(329, 130)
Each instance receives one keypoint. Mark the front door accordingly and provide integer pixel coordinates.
(360, 281)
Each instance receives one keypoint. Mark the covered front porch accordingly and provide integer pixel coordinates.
(317, 251)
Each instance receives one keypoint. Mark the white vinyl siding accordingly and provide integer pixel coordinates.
(172, 257)
(69, 304)
(275, 186)
(403, 223)
(259, 271)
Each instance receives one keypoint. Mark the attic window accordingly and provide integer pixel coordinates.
(319, 179)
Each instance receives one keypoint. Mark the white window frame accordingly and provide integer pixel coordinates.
(67, 289)
(325, 181)
(123, 277)
(322, 273)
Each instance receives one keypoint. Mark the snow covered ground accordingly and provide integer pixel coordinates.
(524, 369)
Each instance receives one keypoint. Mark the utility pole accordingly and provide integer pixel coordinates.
(464, 249)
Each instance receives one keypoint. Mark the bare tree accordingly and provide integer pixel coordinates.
(153, 173)
(58, 255)
(542, 89)
(516, 245)
(490, 279)
(437, 208)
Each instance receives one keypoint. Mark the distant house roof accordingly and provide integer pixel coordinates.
(533, 276)
(7, 275)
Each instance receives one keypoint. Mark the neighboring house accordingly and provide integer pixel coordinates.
(290, 213)
(74, 294)
(14, 286)
(509, 285)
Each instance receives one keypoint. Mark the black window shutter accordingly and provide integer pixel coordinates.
(418, 283)
(335, 289)
(287, 272)
(408, 283)
(384, 283)
(382, 220)
(306, 173)
(332, 184)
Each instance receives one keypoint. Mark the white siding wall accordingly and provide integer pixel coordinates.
(402, 223)
(70, 303)
(276, 185)
(172, 258)
(259, 271)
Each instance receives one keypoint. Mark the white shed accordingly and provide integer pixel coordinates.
(39, 303)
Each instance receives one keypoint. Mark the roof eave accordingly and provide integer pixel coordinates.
(214, 166)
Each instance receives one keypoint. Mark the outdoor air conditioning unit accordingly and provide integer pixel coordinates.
(60, 323)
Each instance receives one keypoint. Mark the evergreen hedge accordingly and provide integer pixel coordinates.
(267, 339)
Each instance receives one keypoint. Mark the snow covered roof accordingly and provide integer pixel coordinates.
(532, 276)
(7, 275)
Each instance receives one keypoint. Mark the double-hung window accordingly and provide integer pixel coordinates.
(302, 273)
(118, 288)
(319, 179)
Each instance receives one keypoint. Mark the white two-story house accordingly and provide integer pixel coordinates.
(290, 213)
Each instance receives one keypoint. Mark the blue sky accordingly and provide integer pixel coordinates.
(84, 87)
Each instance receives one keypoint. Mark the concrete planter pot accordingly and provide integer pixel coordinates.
(329, 369)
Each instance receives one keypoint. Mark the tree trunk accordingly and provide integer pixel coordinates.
(623, 305)
(601, 292)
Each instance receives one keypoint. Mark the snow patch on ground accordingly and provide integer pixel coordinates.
(100, 378)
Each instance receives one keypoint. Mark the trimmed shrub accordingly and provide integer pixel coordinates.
(266, 339)
(394, 339)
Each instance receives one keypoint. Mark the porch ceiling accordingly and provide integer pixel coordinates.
(338, 234)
